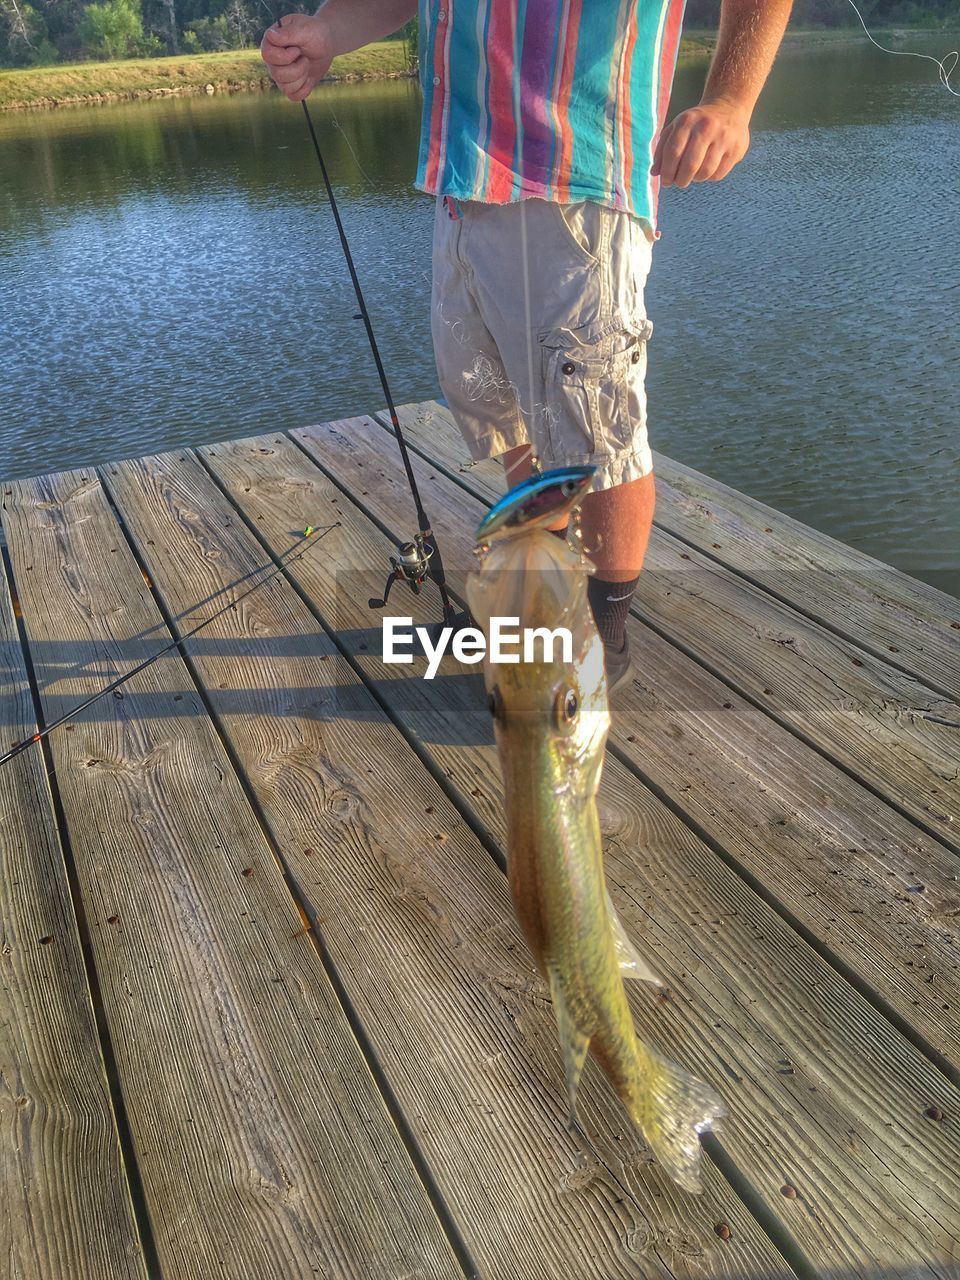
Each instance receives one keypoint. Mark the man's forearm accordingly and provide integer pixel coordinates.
(749, 37)
(354, 23)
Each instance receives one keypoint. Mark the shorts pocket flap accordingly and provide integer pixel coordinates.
(585, 340)
(585, 355)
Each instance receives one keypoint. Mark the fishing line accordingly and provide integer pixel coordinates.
(942, 73)
(356, 159)
(526, 303)
(270, 571)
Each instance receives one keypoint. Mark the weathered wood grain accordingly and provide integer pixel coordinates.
(893, 732)
(264, 1146)
(415, 913)
(64, 1200)
(839, 860)
(912, 624)
(824, 1095)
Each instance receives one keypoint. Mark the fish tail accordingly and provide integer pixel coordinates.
(677, 1108)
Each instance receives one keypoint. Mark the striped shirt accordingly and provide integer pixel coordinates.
(561, 99)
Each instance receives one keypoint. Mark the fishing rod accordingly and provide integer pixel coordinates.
(282, 561)
(417, 559)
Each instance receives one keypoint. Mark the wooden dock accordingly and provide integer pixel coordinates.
(265, 1011)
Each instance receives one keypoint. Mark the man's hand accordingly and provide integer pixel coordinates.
(702, 144)
(298, 53)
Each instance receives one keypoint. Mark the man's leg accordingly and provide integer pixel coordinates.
(616, 528)
(560, 291)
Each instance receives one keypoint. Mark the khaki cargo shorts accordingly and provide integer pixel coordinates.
(540, 331)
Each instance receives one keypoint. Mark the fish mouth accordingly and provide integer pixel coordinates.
(537, 501)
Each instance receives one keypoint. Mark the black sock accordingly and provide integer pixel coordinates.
(610, 602)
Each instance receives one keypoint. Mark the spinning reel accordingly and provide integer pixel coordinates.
(411, 564)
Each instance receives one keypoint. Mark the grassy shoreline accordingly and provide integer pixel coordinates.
(90, 83)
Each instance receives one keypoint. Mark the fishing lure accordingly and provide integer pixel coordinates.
(536, 502)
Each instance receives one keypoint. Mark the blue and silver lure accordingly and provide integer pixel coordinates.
(538, 501)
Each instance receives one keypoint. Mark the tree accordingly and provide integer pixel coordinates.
(113, 29)
(24, 32)
(34, 32)
(171, 11)
(18, 27)
(239, 23)
(62, 19)
(234, 28)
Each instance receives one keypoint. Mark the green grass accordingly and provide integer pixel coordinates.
(146, 77)
(697, 44)
(154, 77)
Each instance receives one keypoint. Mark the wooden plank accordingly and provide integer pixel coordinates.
(886, 727)
(67, 1208)
(824, 1095)
(915, 626)
(836, 859)
(264, 1147)
(420, 928)
(912, 624)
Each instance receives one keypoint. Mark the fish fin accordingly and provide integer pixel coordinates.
(679, 1108)
(573, 1043)
(632, 964)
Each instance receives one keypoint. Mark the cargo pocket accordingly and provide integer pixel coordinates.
(581, 229)
(594, 397)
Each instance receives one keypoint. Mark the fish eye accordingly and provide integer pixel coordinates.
(566, 707)
(495, 703)
(568, 487)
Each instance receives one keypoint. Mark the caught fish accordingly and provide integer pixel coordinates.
(541, 500)
(551, 722)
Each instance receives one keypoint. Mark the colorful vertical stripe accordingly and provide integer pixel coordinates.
(668, 45)
(566, 62)
(439, 44)
(561, 99)
(624, 116)
(501, 138)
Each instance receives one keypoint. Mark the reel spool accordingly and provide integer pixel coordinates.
(411, 564)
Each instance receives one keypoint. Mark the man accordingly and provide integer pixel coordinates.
(543, 140)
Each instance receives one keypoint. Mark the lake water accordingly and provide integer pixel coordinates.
(170, 275)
